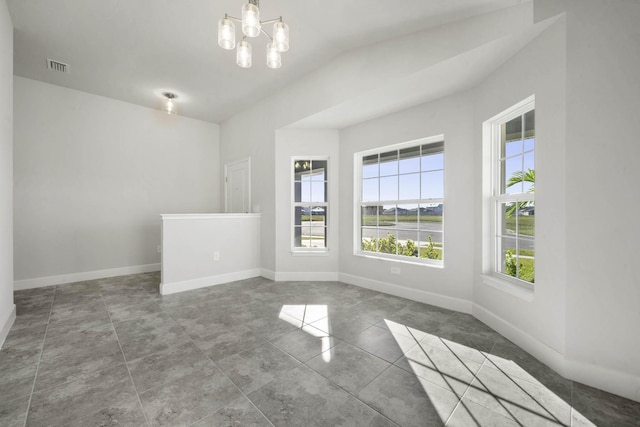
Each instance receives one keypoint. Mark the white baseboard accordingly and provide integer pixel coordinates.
(40, 282)
(610, 380)
(268, 274)
(303, 276)
(616, 382)
(443, 301)
(203, 282)
(6, 325)
(547, 355)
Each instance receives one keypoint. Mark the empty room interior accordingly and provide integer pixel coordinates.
(319, 212)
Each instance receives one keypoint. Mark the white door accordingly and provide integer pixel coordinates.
(237, 186)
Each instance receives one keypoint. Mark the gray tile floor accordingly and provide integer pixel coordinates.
(257, 352)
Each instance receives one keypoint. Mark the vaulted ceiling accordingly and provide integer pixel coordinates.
(133, 50)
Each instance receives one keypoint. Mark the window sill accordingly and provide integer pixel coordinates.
(303, 253)
(508, 287)
(382, 258)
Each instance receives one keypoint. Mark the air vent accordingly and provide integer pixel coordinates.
(58, 66)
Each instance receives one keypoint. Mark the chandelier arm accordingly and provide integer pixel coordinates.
(271, 21)
(266, 34)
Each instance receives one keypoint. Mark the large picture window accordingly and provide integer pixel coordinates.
(310, 204)
(513, 194)
(400, 192)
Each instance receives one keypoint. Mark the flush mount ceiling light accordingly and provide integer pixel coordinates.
(170, 106)
(253, 27)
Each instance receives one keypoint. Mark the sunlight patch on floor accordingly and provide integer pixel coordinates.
(301, 315)
(482, 382)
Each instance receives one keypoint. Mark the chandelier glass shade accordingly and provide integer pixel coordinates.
(281, 36)
(273, 57)
(253, 27)
(251, 20)
(243, 57)
(226, 34)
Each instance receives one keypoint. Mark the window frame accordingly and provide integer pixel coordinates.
(300, 250)
(493, 196)
(358, 203)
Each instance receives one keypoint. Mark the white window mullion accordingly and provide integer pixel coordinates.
(413, 231)
(309, 177)
(499, 132)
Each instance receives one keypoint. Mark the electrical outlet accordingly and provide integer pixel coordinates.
(216, 256)
(159, 249)
(395, 270)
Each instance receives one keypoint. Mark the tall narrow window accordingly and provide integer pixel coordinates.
(513, 194)
(310, 204)
(400, 192)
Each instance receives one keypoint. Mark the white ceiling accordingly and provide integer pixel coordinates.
(133, 50)
(447, 77)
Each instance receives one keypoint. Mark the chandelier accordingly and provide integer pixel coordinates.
(253, 27)
(170, 106)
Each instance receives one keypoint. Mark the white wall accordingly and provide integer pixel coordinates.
(92, 176)
(7, 308)
(603, 101)
(537, 325)
(450, 286)
(302, 144)
(251, 133)
(586, 301)
(583, 70)
(205, 250)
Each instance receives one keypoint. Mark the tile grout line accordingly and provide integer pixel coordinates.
(497, 399)
(342, 388)
(572, 408)
(266, 341)
(531, 397)
(331, 381)
(475, 375)
(50, 329)
(362, 388)
(459, 402)
(35, 377)
(484, 363)
(126, 365)
(304, 363)
(391, 364)
(221, 370)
